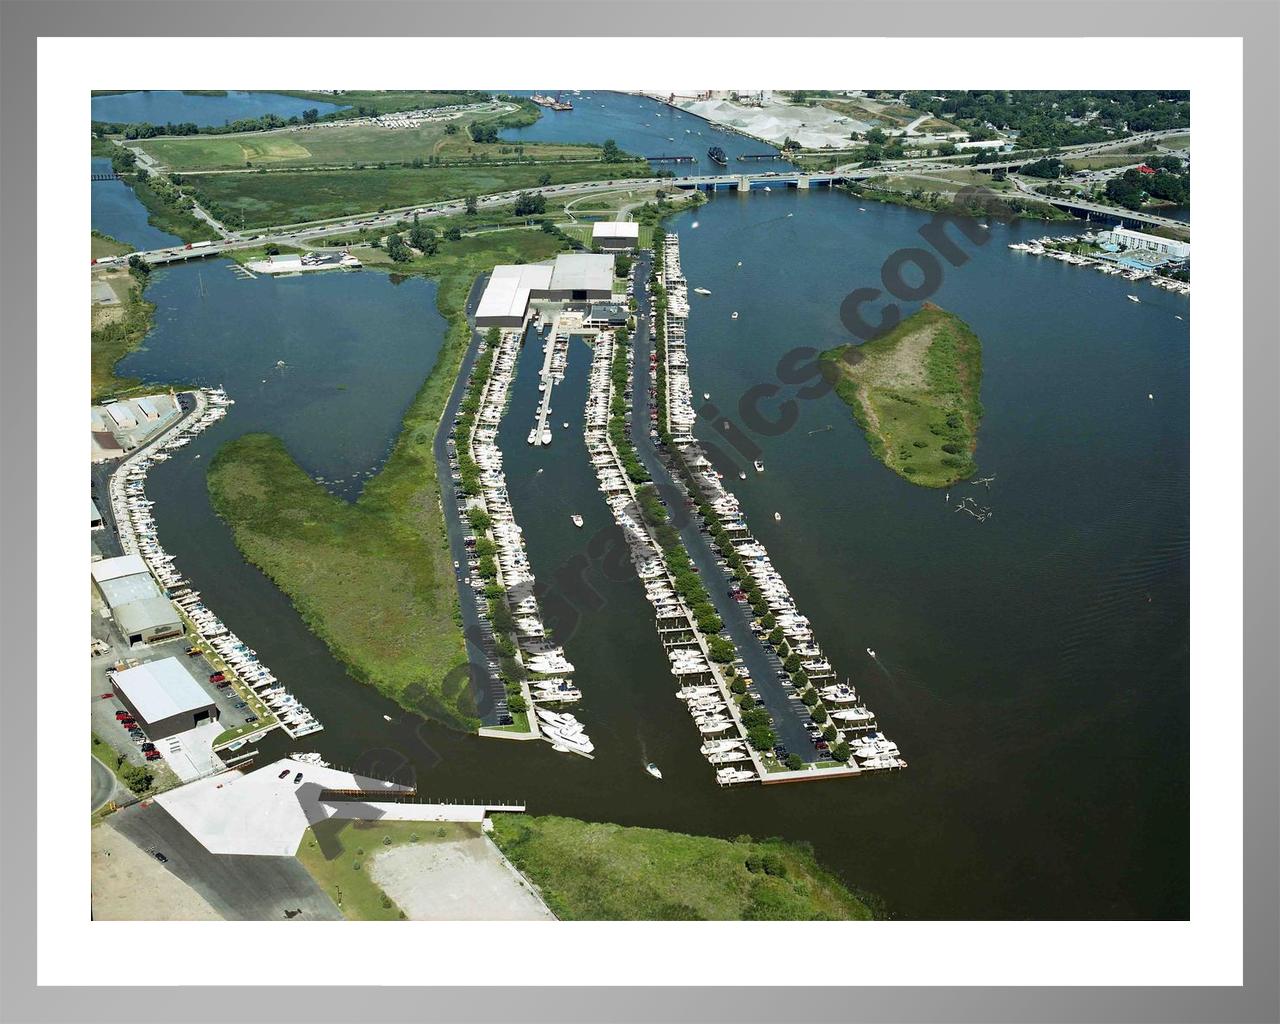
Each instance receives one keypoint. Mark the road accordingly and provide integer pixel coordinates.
(103, 783)
(303, 234)
(486, 688)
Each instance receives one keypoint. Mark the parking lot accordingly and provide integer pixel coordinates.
(191, 755)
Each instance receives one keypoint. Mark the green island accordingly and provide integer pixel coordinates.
(914, 392)
(591, 871)
(374, 578)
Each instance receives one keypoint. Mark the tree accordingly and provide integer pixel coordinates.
(609, 152)
(818, 713)
(795, 762)
(397, 250)
(529, 203)
(776, 636)
(722, 650)
(738, 686)
(840, 752)
(830, 733)
(311, 115)
(137, 778)
(544, 178)
(809, 698)
(762, 737)
(517, 703)
(472, 205)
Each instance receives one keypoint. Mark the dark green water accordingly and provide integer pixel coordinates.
(1033, 668)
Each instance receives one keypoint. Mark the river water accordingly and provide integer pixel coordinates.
(164, 106)
(1033, 668)
(645, 127)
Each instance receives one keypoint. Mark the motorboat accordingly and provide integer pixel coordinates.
(702, 291)
(733, 315)
(546, 437)
(759, 466)
(777, 517)
(577, 521)
(871, 652)
(1133, 298)
(653, 770)
(741, 475)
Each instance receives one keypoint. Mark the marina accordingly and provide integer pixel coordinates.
(137, 528)
(703, 686)
(1127, 267)
(545, 673)
(1048, 336)
(805, 670)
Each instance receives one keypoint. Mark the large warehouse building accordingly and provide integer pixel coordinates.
(580, 276)
(144, 615)
(615, 235)
(164, 697)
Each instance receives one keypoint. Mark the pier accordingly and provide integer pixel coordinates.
(805, 703)
(108, 176)
(671, 159)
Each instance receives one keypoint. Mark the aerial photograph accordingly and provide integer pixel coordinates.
(677, 505)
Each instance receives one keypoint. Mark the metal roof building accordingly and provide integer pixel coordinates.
(164, 696)
(582, 275)
(615, 234)
(148, 620)
(123, 416)
(505, 301)
(114, 568)
(142, 612)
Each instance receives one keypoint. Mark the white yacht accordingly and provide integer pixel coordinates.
(1133, 298)
(577, 521)
(777, 517)
(702, 291)
(546, 437)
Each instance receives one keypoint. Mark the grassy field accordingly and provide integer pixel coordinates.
(330, 145)
(590, 871)
(1103, 161)
(101, 245)
(335, 852)
(262, 200)
(374, 579)
(914, 392)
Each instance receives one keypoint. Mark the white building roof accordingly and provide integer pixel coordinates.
(148, 408)
(615, 229)
(122, 414)
(509, 287)
(160, 689)
(147, 613)
(582, 271)
(114, 568)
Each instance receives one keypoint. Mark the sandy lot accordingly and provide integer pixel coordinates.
(128, 885)
(467, 880)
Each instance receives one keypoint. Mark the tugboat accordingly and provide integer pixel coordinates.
(717, 156)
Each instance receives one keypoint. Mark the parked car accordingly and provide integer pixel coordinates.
(283, 774)
(122, 715)
(160, 856)
(148, 746)
(192, 652)
(297, 778)
(240, 704)
(105, 696)
(250, 720)
(217, 677)
(152, 755)
(225, 684)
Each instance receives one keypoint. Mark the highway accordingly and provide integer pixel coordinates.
(308, 233)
